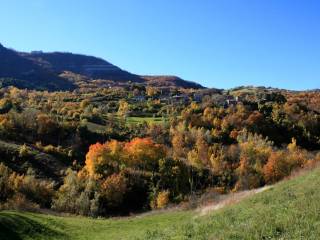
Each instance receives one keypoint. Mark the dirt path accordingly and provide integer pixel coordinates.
(229, 199)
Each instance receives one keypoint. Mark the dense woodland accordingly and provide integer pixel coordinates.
(118, 150)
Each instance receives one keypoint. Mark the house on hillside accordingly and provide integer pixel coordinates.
(232, 101)
(197, 97)
(183, 98)
(164, 91)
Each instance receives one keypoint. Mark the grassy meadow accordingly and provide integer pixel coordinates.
(288, 210)
(94, 127)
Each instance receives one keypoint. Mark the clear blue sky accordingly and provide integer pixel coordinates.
(218, 43)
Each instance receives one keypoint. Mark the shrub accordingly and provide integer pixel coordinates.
(79, 195)
(6, 189)
(19, 202)
(113, 189)
(276, 167)
(36, 190)
(49, 149)
(68, 194)
(18, 189)
(281, 163)
(163, 199)
(24, 151)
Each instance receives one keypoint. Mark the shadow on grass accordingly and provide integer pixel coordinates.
(14, 226)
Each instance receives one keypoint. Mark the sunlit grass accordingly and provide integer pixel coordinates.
(288, 210)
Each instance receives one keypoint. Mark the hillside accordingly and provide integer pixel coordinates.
(89, 66)
(170, 81)
(24, 73)
(288, 210)
(43, 164)
(42, 71)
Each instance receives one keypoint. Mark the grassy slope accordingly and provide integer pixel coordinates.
(16, 226)
(150, 120)
(290, 210)
(94, 127)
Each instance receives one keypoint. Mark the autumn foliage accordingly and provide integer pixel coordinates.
(104, 159)
(276, 167)
(143, 153)
(107, 158)
(125, 155)
(163, 199)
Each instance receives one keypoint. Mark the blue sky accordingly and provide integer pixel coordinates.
(218, 43)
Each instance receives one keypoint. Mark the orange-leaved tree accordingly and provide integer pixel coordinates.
(144, 153)
(276, 167)
(104, 159)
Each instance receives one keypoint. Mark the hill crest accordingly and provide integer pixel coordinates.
(41, 70)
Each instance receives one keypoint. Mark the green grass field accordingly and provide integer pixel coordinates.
(150, 120)
(289, 210)
(94, 127)
(15, 225)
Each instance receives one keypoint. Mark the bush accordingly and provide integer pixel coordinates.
(276, 167)
(6, 189)
(49, 149)
(78, 195)
(19, 202)
(24, 151)
(36, 190)
(163, 199)
(68, 193)
(114, 189)
(281, 163)
(22, 190)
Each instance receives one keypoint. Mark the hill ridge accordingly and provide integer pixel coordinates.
(44, 69)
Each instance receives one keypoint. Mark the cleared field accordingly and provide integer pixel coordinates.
(150, 120)
(94, 127)
(288, 210)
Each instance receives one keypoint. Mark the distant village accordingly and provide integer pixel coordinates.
(219, 97)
